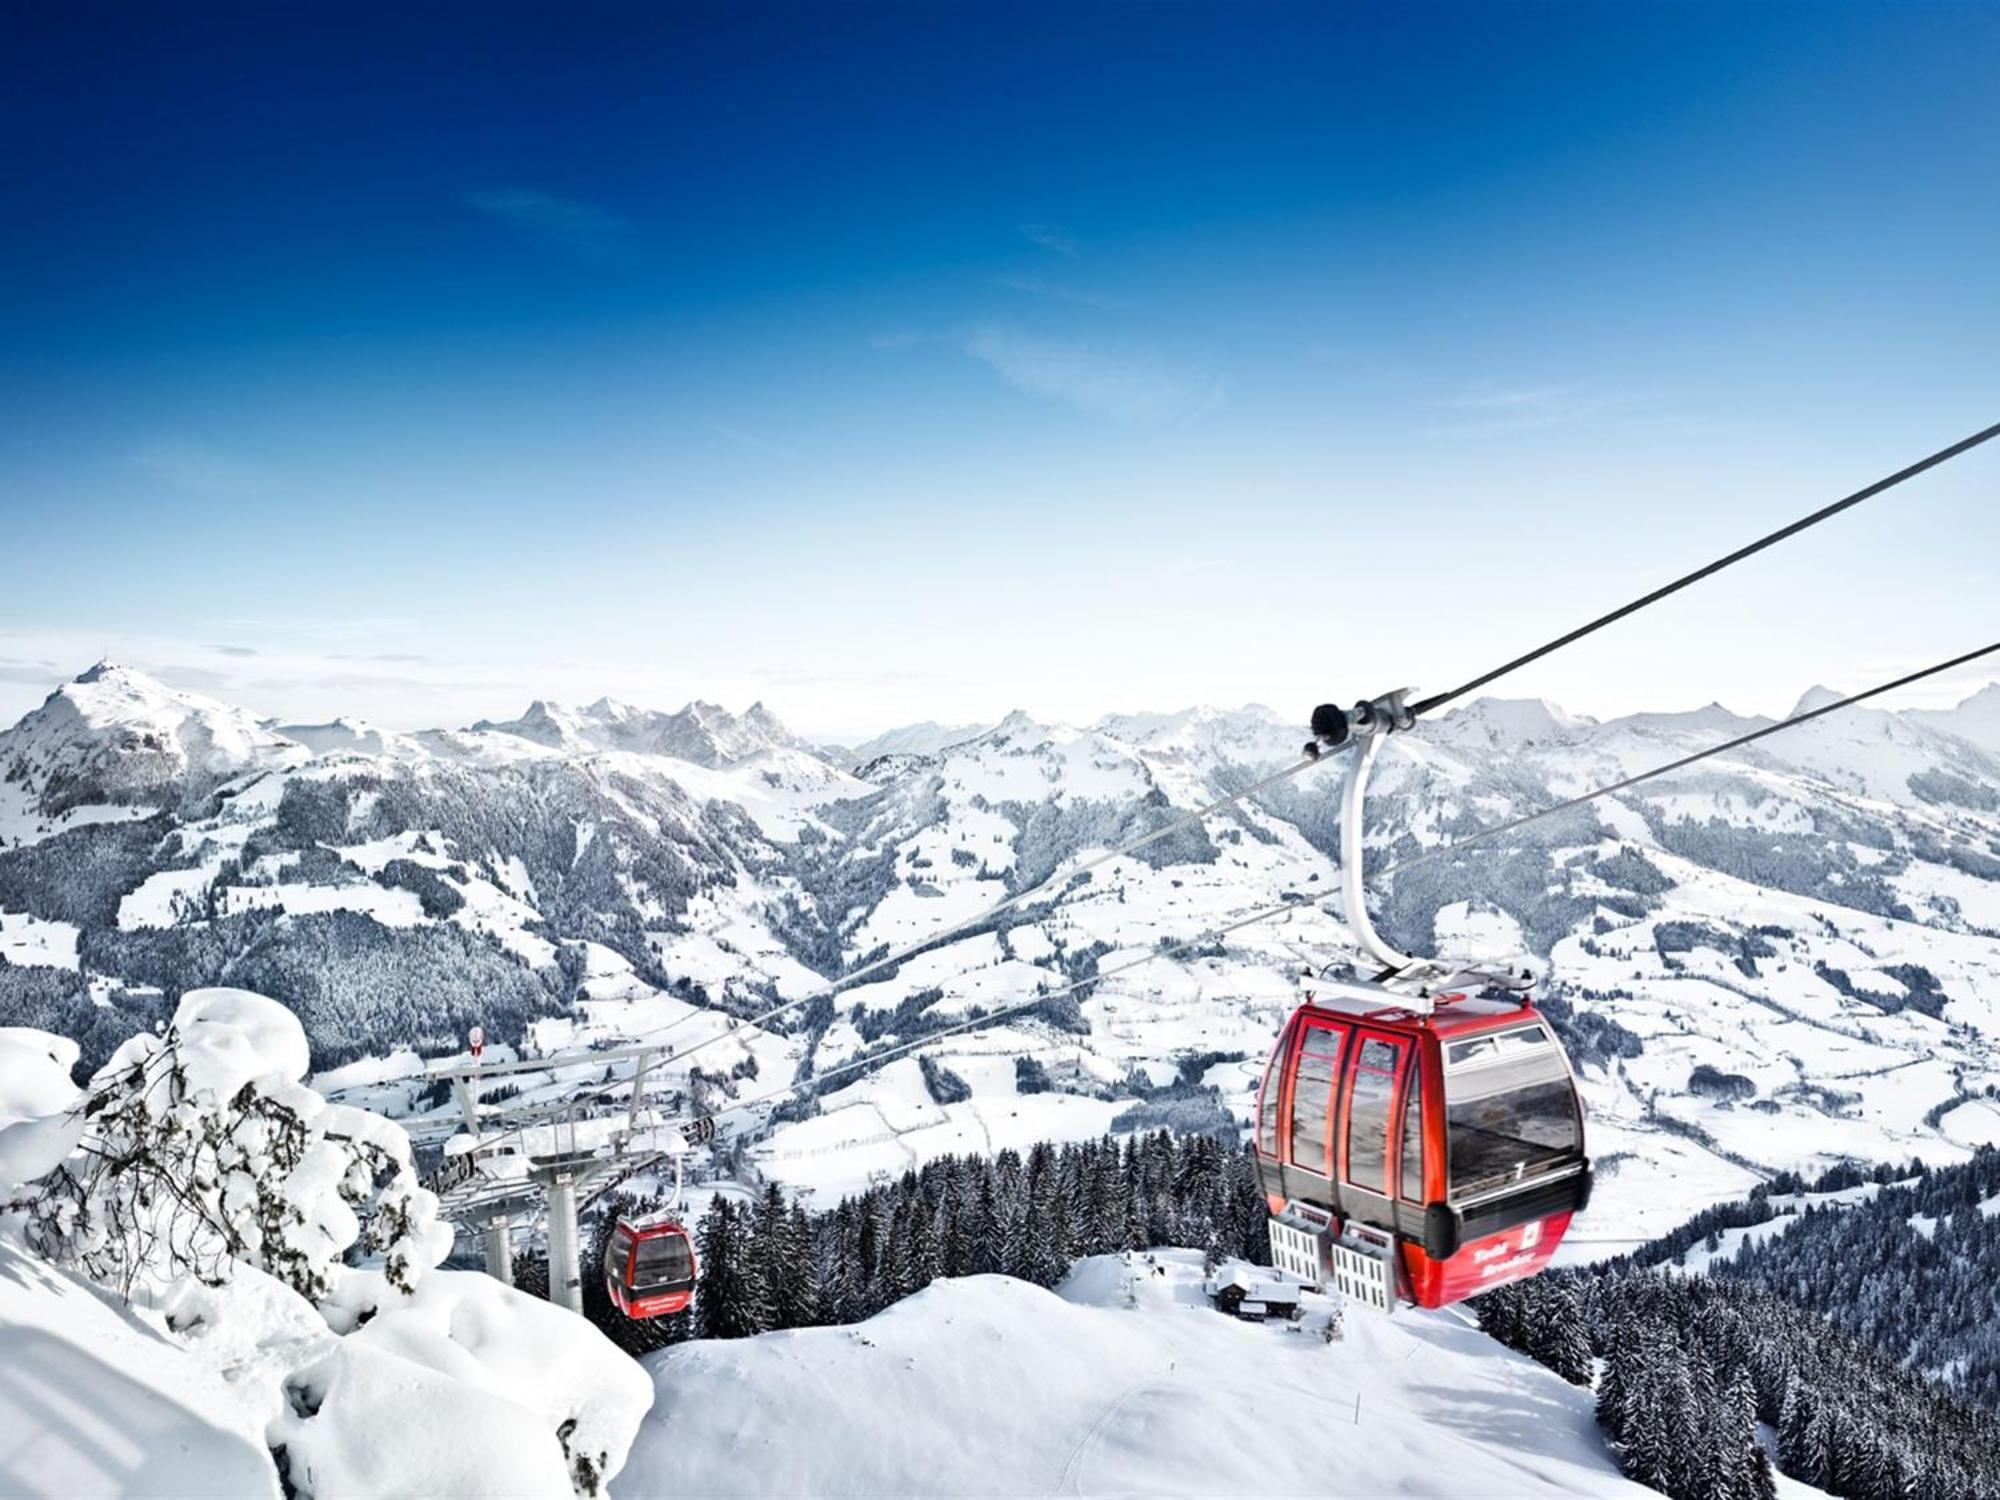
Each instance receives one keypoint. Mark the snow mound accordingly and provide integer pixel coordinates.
(95, 1402)
(366, 1422)
(566, 1386)
(36, 1129)
(1122, 1382)
(232, 1037)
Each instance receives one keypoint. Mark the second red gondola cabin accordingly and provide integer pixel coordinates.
(649, 1267)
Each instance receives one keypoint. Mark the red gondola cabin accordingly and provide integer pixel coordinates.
(1418, 1157)
(649, 1267)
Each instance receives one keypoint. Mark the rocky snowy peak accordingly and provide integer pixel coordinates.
(544, 723)
(704, 734)
(115, 736)
(1814, 698)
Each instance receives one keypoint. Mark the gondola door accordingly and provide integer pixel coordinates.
(1370, 1128)
(1310, 1110)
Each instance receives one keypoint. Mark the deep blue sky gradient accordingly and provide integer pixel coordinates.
(887, 362)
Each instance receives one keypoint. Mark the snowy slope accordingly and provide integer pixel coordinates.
(95, 1401)
(1123, 1382)
(927, 738)
(1976, 719)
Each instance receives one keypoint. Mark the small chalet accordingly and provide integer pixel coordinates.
(1242, 1293)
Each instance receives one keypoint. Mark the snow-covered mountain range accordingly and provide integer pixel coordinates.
(1769, 960)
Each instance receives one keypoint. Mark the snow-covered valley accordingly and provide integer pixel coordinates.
(1774, 960)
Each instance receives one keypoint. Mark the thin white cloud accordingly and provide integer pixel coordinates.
(199, 468)
(1124, 387)
(1523, 409)
(583, 231)
(756, 443)
(1056, 291)
(1053, 237)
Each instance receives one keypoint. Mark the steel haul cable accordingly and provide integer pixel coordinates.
(1804, 523)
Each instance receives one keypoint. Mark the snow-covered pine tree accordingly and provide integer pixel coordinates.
(1744, 1469)
(1561, 1337)
(983, 1228)
(847, 1283)
(1615, 1393)
(1647, 1453)
(724, 1305)
(202, 1147)
(804, 1302)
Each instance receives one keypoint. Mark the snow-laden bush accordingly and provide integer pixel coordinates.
(199, 1176)
(202, 1147)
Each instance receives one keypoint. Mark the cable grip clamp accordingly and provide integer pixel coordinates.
(1334, 726)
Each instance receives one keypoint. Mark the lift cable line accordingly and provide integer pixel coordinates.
(1283, 908)
(1804, 523)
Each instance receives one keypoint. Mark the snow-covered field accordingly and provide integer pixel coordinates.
(1122, 1382)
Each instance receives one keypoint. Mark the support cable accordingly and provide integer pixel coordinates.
(1804, 523)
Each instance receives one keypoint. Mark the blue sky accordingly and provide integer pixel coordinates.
(900, 363)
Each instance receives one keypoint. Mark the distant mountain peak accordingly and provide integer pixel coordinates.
(704, 733)
(117, 735)
(1977, 718)
(1510, 721)
(1816, 697)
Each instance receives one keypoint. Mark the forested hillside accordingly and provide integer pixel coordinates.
(1860, 1328)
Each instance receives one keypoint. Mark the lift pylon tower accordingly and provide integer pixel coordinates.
(548, 1159)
